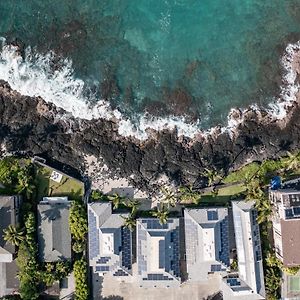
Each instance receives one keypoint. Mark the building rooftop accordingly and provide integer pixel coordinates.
(206, 239)
(110, 248)
(54, 237)
(290, 232)
(8, 217)
(248, 247)
(158, 254)
(9, 209)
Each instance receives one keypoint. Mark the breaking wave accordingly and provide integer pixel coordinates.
(33, 75)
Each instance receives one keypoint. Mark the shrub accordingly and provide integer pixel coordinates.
(80, 274)
(28, 273)
(54, 271)
(78, 222)
(17, 176)
(97, 195)
(272, 282)
(291, 270)
(78, 246)
(27, 262)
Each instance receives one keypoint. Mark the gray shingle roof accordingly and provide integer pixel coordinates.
(8, 217)
(8, 270)
(54, 236)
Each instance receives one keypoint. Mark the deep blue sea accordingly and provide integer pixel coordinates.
(196, 57)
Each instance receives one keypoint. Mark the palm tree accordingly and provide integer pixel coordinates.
(78, 246)
(133, 204)
(25, 180)
(48, 277)
(13, 235)
(292, 161)
(63, 268)
(116, 200)
(264, 209)
(254, 190)
(97, 195)
(49, 267)
(169, 197)
(272, 260)
(129, 222)
(161, 214)
(215, 192)
(187, 194)
(211, 175)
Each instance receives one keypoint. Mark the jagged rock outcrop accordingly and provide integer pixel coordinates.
(30, 125)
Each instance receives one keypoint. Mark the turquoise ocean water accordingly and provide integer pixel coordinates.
(200, 57)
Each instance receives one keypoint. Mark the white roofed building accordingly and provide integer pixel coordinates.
(110, 248)
(207, 242)
(158, 253)
(249, 282)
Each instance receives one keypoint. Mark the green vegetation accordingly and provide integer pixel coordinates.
(68, 186)
(188, 195)
(170, 197)
(272, 283)
(234, 265)
(13, 235)
(133, 205)
(291, 270)
(80, 274)
(129, 222)
(116, 200)
(27, 262)
(55, 271)
(162, 214)
(78, 226)
(17, 176)
(212, 176)
(20, 176)
(272, 261)
(97, 195)
(247, 172)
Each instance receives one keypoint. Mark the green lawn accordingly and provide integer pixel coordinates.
(68, 186)
(240, 175)
(232, 190)
(225, 195)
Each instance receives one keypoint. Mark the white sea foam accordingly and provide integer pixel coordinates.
(33, 76)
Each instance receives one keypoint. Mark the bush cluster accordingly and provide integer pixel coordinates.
(80, 274)
(27, 262)
(17, 176)
(78, 226)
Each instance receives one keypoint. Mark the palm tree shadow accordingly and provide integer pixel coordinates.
(51, 214)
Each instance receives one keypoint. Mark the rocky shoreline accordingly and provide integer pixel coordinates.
(31, 126)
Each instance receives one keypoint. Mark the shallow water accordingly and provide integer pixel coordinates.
(199, 57)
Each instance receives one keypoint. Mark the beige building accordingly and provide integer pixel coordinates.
(286, 225)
